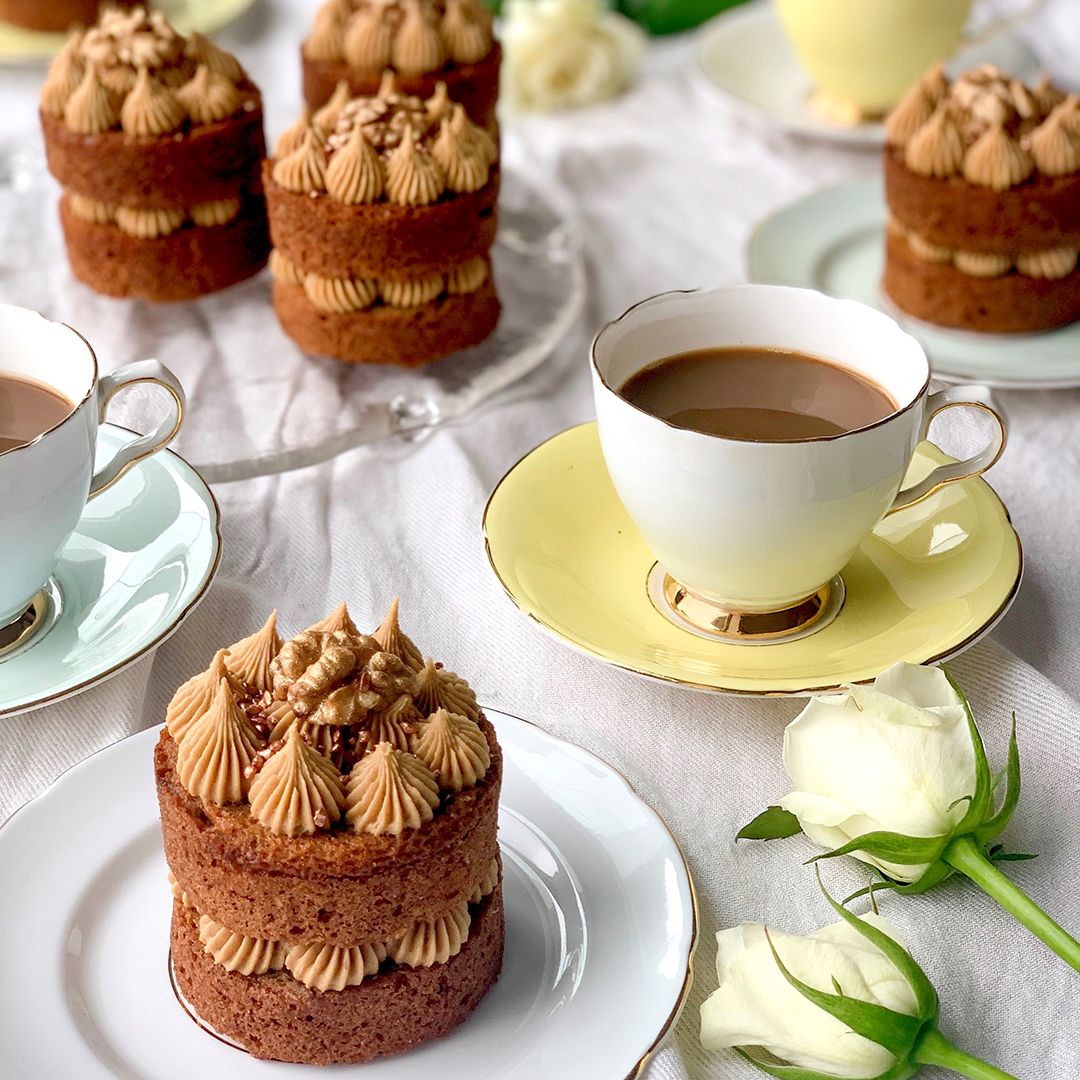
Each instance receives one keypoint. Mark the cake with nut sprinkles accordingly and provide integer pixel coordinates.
(329, 808)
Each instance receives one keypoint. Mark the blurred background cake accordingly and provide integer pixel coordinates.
(157, 140)
(982, 180)
(382, 215)
(329, 809)
(424, 42)
(56, 15)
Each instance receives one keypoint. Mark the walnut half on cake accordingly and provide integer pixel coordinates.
(982, 180)
(157, 140)
(329, 809)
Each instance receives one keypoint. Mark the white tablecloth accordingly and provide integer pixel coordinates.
(667, 184)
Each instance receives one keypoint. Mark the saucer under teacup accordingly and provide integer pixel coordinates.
(140, 560)
(834, 241)
(929, 581)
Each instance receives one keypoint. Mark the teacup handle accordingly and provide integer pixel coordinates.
(144, 371)
(974, 397)
(1005, 22)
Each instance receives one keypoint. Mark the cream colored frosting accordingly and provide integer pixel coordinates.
(283, 715)
(411, 293)
(355, 173)
(149, 224)
(194, 697)
(418, 47)
(236, 952)
(92, 210)
(915, 108)
(928, 251)
(338, 619)
(981, 264)
(215, 213)
(178, 893)
(327, 117)
(1025, 104)
(91, 107)
(487, 883)
(462, 160)
(413, 177)
(283, 269)
(298, 791)
(150, 108)
(390, 791)
(936, 149)
(304, 170)
(340, 295)
(1053, 263)
(325, 40)
(468, 276)
(65, 74)
(394, 640)
(206, 54)
(397, 725)
(369, 39)
(438, 105)
(454, 748)
(249, 658)
(209, 96)
(472, 133)
(1054, 146)
(291, 138)
(326, 967)
(434, 942)
(466, 28)
(997, 161)
(120, 80)
(1046, 95)
(438, 688)
(216, 750)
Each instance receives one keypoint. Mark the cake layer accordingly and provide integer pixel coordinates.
(1013, 303)
(210, 161)
(384, 239)
(1041, 213)
(386, 335)
(54, 16)
(276, 1017)
(340, 887)
(183, 265)
(476, 86)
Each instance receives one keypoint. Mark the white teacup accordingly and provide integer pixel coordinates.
(758, 527)
(45, 483)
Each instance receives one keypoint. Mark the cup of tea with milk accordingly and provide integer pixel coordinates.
(756, 435)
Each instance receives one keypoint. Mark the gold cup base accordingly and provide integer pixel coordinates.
(694, 613)
(21, 630)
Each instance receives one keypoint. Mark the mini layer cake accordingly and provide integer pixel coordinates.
(157, 140)
(382, 215)
(55, 16)
(424, 41)
(329, 808)
(982, 179)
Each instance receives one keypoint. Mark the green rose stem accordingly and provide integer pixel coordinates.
(935, 1049)
(964, 854)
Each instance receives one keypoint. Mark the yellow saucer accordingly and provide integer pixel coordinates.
(927, 584)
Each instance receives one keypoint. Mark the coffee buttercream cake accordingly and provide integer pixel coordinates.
(982, 180)
(382, 216)
(329, 808)
(157, 140)
(424, 42)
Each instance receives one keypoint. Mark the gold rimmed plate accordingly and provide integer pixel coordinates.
(925, 585)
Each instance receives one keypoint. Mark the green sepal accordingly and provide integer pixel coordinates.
(895, 1031)
(892, 847)
(935, 874)
(901, 1069)
(982, 798)
(772, 824)
(991, 828)
(1009, 856)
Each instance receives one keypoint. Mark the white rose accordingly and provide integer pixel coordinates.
(756, 1006)
(895, 758)
(560, 54)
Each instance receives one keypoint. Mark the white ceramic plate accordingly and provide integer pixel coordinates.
(744, 56)
(834, 241)
(142, 557)
(600, 927)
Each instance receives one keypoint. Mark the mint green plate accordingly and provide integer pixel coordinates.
(142, 557)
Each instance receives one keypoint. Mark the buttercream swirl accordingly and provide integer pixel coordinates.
(438, 688)
(92, 210)
(936, 149)
(326, 967)
(355, 173)
(997, 161)
(487, 883)
(340, 295)
(120, 79)
(418, 47)
(935, 83)
(466, 28)
(472, 133)
(468, 276)
(1025, 104)
(327, 117)
(209, 96)
(915, 108)
(338, 619)
(91, 108)
(982, 264)
(283, 269)
(215, 751)
(325, 40)
(924, 249)
(397, 725)
(454, 748)
(413, 177)
(249, 658)
(194, 697)
(206, 54)
(304, 170)
(291, 138)
(438, 105)
(434, 942)
(178, 892)
(462, 160)
(369, 39)
(283, 715)
(237, 952)
(1054, 146)
(1047, 96)
(1053, 263)
(411, 293)
(390, 791)
(394, 640)
(150, 108)
(65, 74)
(149, 224)
(215, 213)
(298, 791)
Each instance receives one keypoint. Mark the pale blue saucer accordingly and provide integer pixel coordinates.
(141, 559)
